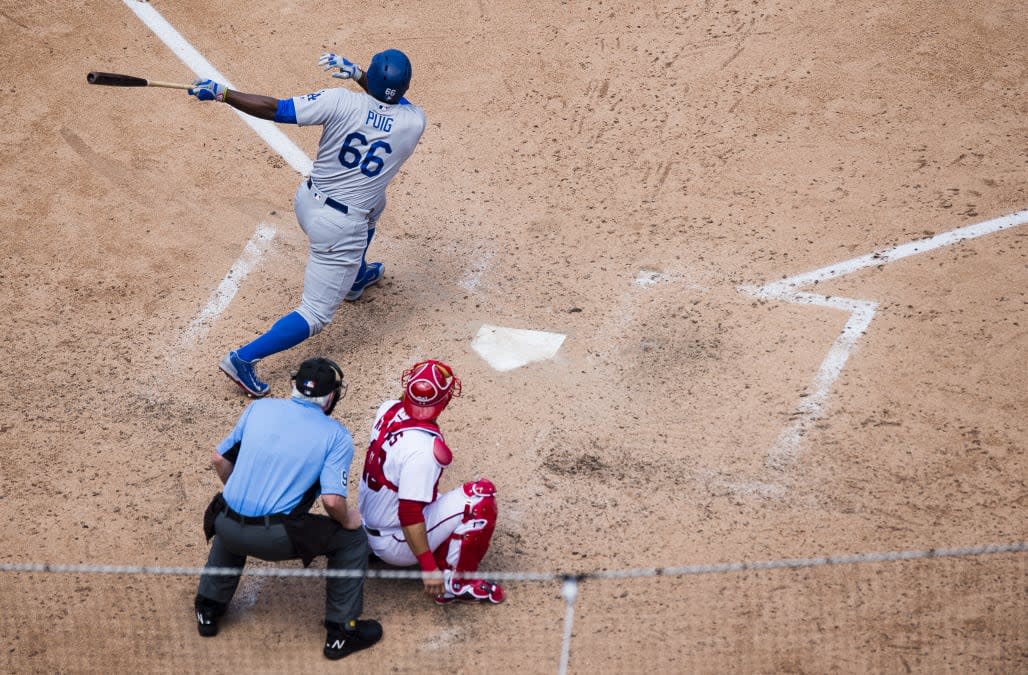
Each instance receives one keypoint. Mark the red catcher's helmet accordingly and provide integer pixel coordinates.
(427, 389)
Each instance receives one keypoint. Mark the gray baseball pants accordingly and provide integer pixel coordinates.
(233, 542)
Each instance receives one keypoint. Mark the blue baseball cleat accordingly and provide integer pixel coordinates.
(242, 373)
(375, 271)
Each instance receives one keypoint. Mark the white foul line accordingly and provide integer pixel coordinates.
(202, 68)
(786, 448)
(228, 287)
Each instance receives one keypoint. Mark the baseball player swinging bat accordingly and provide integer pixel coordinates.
(119, 80)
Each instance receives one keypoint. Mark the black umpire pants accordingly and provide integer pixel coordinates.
(234, 541)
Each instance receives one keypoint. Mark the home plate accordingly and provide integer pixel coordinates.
(510, 348)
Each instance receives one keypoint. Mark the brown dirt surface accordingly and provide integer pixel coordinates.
(615, 172)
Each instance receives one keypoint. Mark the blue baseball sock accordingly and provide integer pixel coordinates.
(289, 331)
(364, 263)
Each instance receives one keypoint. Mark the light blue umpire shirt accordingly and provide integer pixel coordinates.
(287, 445)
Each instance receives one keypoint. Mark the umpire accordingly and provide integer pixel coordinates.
(279, 457)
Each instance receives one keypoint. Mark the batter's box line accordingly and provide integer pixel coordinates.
(786, 449)
(229, 286)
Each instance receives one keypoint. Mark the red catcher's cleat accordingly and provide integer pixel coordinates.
(472, 590)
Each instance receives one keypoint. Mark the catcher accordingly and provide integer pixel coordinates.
(406, 518)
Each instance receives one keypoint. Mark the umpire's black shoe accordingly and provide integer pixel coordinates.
(207, 613)
(345, 639)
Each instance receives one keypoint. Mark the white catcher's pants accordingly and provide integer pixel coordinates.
(442, 518)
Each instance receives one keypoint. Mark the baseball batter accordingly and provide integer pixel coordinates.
(365, 139)
(406, 518)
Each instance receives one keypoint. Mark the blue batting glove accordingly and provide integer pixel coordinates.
(347, 70)
(208, 90)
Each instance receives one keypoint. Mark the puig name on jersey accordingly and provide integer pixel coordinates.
(380, 122)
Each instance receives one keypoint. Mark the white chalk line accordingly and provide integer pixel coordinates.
(271, 135)
(786, 448)
(202, 68)
(229, 286)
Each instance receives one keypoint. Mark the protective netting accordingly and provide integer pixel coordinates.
(958, 610)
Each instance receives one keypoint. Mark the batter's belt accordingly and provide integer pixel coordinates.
(338, 206)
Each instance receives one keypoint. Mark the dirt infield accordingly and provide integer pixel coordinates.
(619, 173)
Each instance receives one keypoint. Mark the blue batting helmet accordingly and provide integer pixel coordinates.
(389, 75)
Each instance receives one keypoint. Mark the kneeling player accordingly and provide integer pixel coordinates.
(406, 518)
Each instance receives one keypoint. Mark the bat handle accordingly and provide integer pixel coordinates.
(168, 85)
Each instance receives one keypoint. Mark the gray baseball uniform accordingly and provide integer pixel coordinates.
(365, 139)
(363, 144)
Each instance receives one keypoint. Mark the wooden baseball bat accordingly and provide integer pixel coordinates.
(119, 80)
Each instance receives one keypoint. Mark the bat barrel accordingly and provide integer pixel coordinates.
(115, 79)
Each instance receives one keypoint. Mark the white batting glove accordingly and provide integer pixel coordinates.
(347, 70)
(208, 90)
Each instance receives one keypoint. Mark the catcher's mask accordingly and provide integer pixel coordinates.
(319, 377)
(388, 75)
(428, 387)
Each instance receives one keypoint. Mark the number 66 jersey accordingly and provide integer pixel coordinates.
(363, 143)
